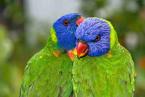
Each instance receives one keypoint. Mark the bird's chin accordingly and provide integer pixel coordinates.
(96, 53)
(93, 52)
(82, 55)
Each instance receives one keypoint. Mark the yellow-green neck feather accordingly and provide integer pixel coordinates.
(53, 35)
(113, 35)
(52, 40)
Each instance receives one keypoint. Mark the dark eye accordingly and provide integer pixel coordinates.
(98, 37)
(66, 22)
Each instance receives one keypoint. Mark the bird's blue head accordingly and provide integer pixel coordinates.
(93, 37)
(64, 29)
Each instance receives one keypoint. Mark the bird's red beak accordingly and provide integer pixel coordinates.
(82, 49)
(79, 20)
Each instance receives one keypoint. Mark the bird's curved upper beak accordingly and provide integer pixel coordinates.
(79, 20)
(82, 49)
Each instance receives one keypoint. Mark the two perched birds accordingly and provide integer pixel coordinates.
(82, 58)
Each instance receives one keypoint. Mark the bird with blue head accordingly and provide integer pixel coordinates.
(65, 28)
(96, 33)
(63, 32)
(103, 68)
(47, 74)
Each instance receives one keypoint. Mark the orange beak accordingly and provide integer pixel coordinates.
(82, 49)
(79, 21)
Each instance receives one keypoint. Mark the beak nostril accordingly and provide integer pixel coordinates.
(84, 42)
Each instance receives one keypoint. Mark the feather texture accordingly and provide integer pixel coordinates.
(47, 75)
(104, 76)
(107, 74)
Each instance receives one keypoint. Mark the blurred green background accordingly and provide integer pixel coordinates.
(24, 28)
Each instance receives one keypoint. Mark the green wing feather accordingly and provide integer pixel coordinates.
(46, 75)
(53, 35)
(104, 76)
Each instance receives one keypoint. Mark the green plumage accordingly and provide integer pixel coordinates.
(46, 75)
(104, 76)
(109, 75)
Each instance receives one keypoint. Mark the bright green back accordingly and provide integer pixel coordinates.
(104, 76)
(47, 75)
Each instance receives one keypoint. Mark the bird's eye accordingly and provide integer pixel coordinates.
(98, 37)
(65, 22)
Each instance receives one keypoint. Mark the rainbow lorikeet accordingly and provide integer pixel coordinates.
(103, 68)
(49, 72)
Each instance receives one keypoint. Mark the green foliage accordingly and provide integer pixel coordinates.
(89, 7)
(6, 45)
